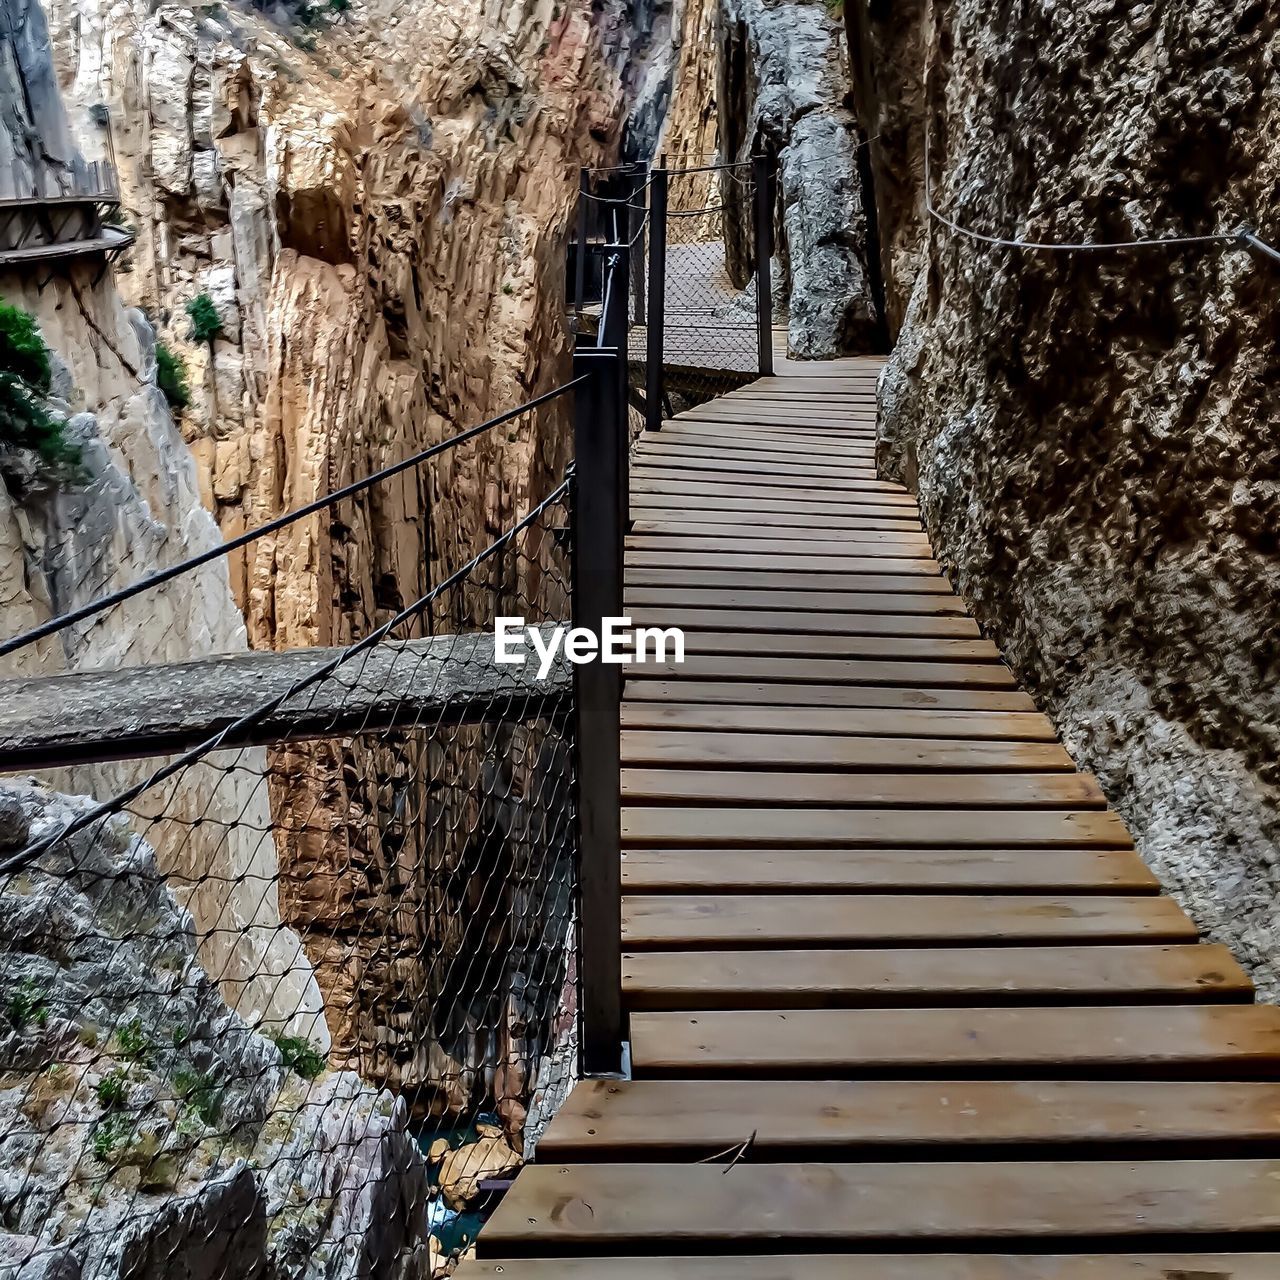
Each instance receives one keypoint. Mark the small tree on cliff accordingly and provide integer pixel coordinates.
(171, 378)
(25, 379)
(206, 323)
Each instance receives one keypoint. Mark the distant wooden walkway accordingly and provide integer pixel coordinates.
(905, 1002)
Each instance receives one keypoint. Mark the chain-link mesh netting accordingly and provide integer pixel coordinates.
(298, 1000)
(711, 334)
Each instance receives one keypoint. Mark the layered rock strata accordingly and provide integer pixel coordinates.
(377, 208)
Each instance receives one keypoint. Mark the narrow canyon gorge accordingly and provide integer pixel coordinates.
(374, 201)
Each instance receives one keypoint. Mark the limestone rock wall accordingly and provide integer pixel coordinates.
(1094, 436)
(378, 209)
(147, 1130)
(784, 87)
(132, 506)
(773, 77)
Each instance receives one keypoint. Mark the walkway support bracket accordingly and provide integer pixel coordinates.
(598, 523)
(762, 172)
(654, 388)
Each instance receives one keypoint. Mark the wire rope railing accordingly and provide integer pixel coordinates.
(102, 603)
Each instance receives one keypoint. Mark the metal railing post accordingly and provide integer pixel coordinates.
(580, 262)
(615, 332)
(654, 383)
(597, 532)
(762, 171)
(636, 235)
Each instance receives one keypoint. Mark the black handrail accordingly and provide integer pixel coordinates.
(53, 625)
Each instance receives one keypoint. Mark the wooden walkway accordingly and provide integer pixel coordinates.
(905, 1002)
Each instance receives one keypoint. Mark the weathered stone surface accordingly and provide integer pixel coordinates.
(1094, 435)
(134, 504)
(380, 220)
(148, 1131)
(463, 1170)
(784, 83)
(159, 710)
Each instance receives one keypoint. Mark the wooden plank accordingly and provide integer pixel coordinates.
(786, 410)
(1147, 1042)
(723, 921)
(932, 976)
(854, 564)
(700, 482)
(785, 441)
(835, 423)
(707, 438)
(762, 469)
(697, 666)
(695, 536)
(628, 1120)
(741, 692)
(809, 435)
(165, 708)
(746, 462)
(701, 494)
(922, 581)
(880, 1266)
(884, 600)
(758, 470)
(884, 870)
(782, 625)
(821, 427)
(805, 645)
(843, 397)
(798, 787)
(651, 516)
(649, 1208)
(872, 543)
(765, 751)
(855, 511)
(764, 472)
(853, 430)
(834, 416)
(840, 723)
(843, 389)
(938, 828)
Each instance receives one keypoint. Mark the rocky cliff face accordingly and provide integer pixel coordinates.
(377, 207)
(1094, 435)
(147, 1131)
(773, 78)
(378, 210)
(133, 506)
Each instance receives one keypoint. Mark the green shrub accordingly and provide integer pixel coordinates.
(134, 1043)
(171, 378)
(27, 1005)
(206, 324)
(112, 1090)
(300, 1055)
(201, 1093)
(25, 378)
(110, 1138)
(22, 349)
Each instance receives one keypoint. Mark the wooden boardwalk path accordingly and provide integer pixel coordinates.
(905, 1003)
